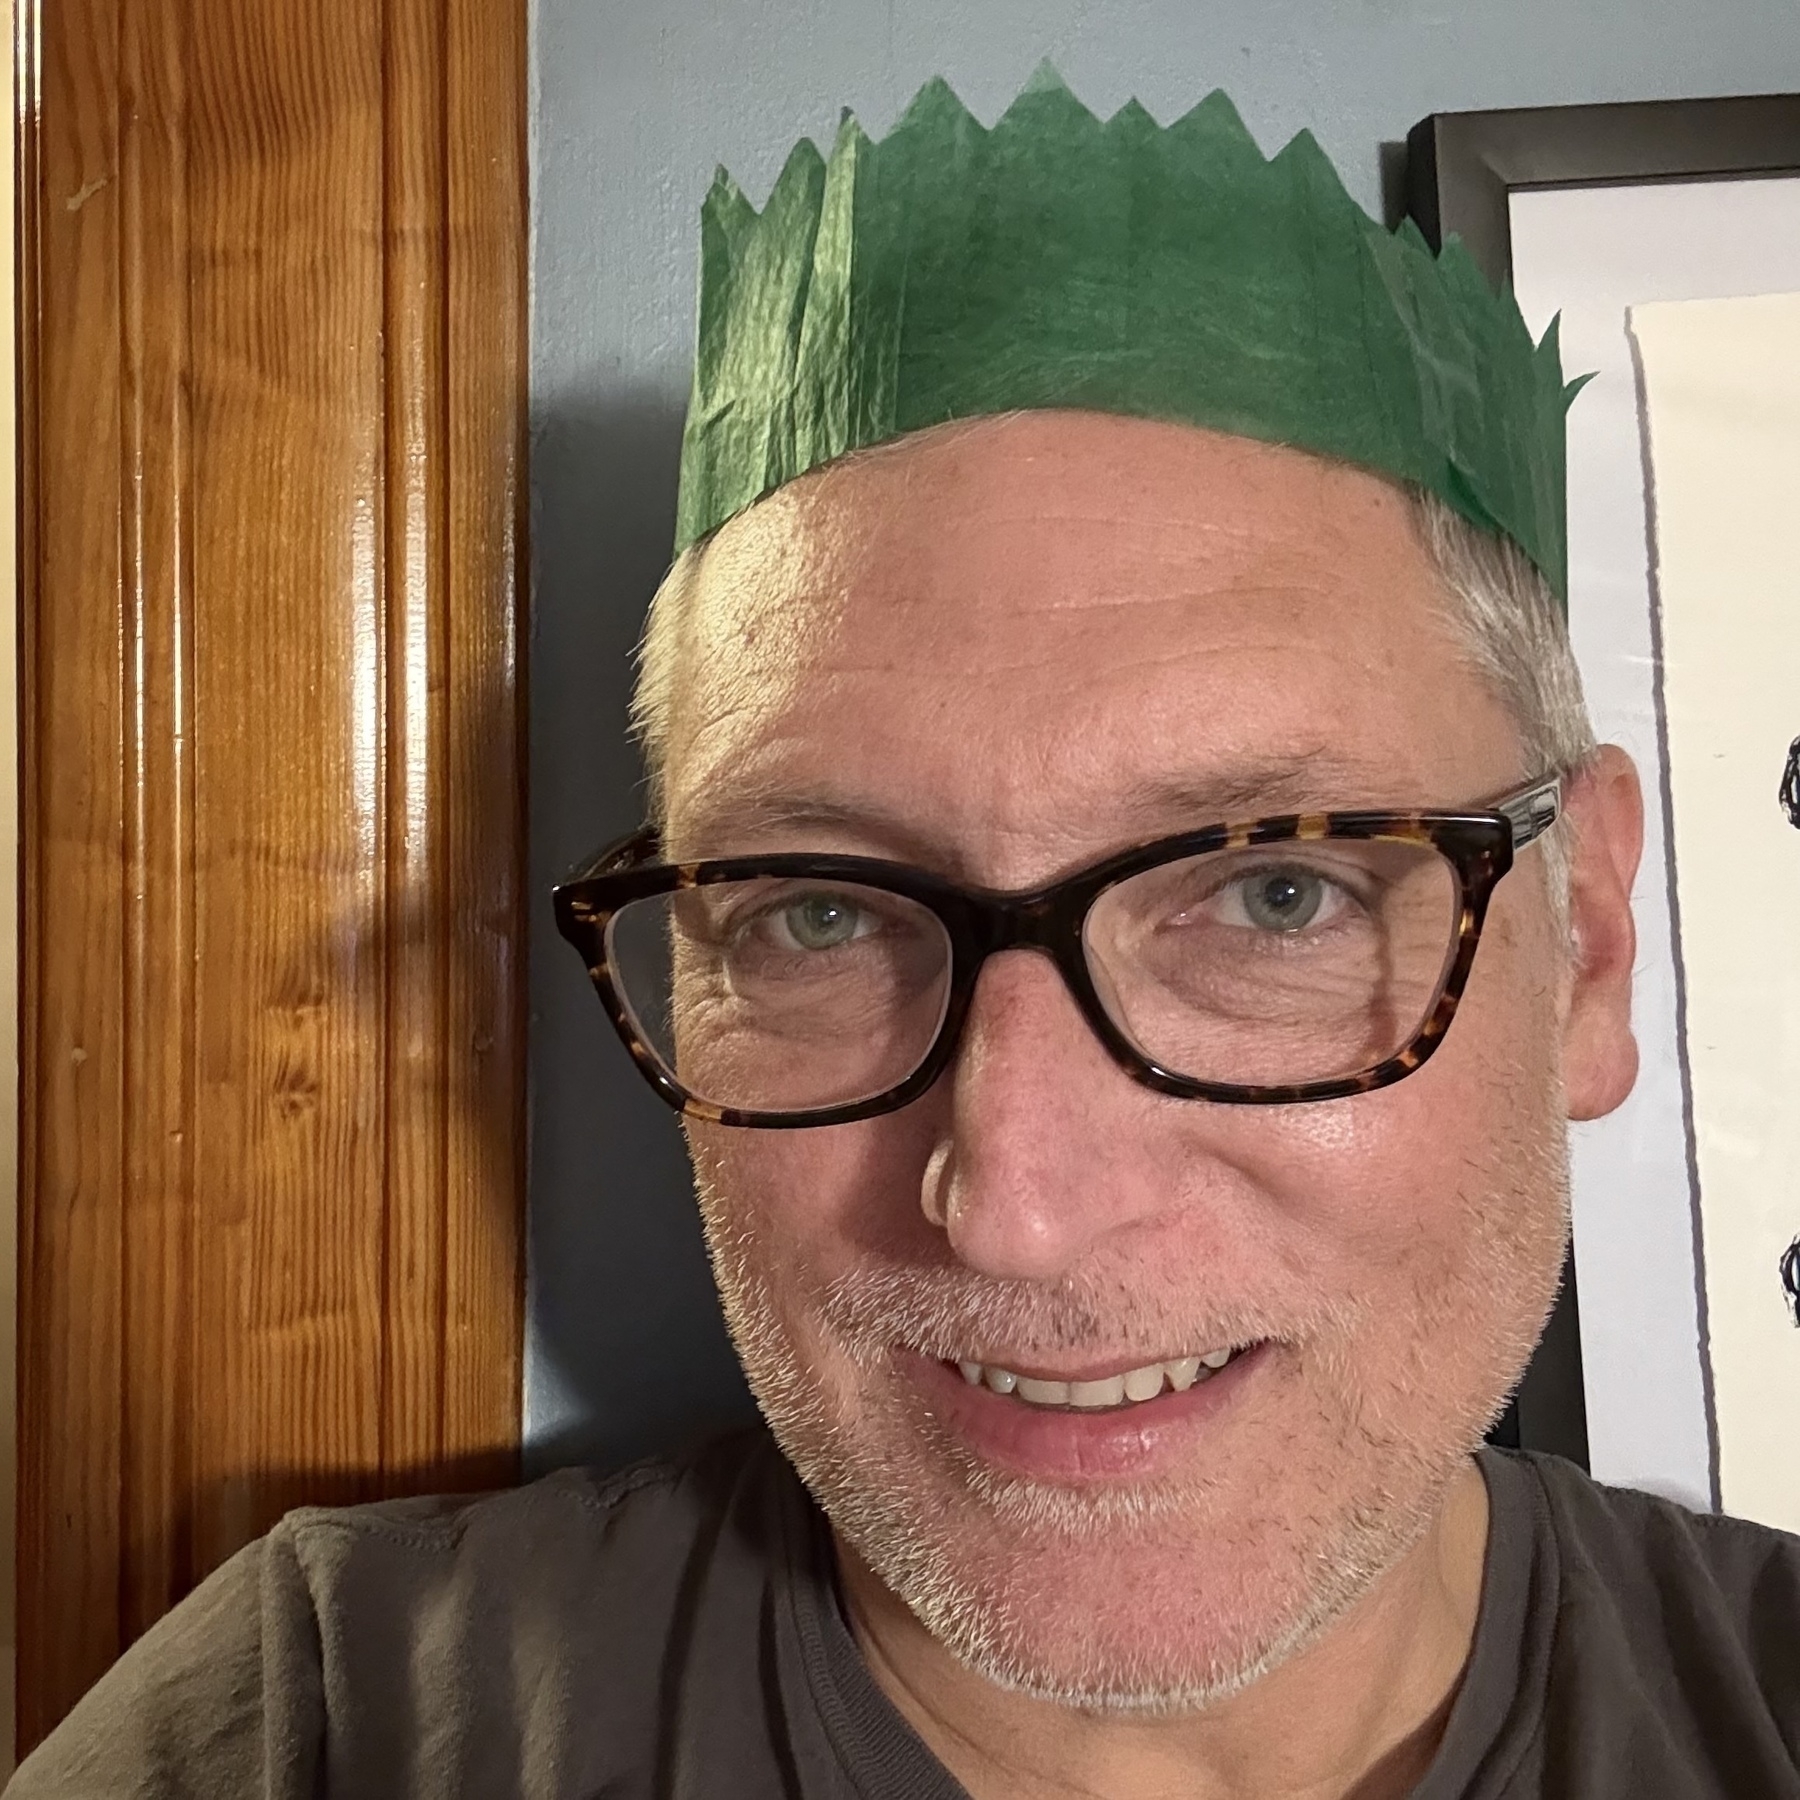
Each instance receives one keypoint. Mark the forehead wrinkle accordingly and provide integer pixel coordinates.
(894, 636)
(1017, 675)
(1123, 598)
(797, 570)
(1146, 532)
(759, 809)
(1026, 748)
(849, 608)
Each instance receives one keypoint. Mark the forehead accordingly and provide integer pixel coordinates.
(1011, 632)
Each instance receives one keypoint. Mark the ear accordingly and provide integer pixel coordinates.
(1604, 804)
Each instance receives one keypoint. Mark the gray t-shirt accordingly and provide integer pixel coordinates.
(675, 1631)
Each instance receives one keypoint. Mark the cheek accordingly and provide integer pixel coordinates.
(807, 1206)
(1364, 1189)
(1403, 1189)
(1441, 1202)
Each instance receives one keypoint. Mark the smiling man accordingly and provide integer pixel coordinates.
(1131, 907)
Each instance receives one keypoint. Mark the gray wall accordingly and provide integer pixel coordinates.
(635, 102)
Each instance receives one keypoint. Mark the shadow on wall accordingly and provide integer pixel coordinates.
(626, 1351)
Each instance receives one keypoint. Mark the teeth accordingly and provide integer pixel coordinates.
(1135, 1385)
(1144, 1384)
(1110, 1392)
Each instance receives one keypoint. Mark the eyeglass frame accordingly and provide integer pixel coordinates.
(1479, 845)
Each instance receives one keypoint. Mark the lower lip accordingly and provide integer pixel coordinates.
(1051, 1444)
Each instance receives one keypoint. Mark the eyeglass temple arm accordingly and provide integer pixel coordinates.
(1534, 811)
(642, 846)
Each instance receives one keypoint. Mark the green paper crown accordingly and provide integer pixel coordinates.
(950, 271)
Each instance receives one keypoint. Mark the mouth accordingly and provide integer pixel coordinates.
(1120, 1390)
(1096, 1423)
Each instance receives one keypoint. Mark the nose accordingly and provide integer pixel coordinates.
(1048, 1146)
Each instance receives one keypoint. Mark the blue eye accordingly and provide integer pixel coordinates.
(1280, 899)
(821, 922)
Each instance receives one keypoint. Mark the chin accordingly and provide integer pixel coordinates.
(1153, 1597)
(1142, 1620)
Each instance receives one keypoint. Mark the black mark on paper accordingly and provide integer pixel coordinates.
(1790, 785)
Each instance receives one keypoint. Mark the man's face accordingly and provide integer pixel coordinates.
(1001, 652)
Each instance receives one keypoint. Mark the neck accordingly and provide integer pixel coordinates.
(1357, 1715)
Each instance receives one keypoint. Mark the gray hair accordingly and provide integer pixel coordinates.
(1514, 632)
(1501, 611)
(661, 652)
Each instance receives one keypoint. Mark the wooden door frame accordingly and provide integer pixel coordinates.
(272, 404)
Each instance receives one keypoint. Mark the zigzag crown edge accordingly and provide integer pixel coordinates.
(1453, 307)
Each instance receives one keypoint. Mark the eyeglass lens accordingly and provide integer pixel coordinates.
(1279, 966)
(779, 996)
(1270, 966)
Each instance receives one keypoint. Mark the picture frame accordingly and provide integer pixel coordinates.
(1593, 214)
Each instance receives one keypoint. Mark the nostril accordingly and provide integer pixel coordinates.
(936, 1186)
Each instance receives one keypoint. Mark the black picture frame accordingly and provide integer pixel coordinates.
(1461, 171)
(1462, 168)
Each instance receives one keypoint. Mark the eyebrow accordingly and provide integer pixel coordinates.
(1315, 779)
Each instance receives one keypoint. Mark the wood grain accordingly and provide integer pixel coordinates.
(272, 337)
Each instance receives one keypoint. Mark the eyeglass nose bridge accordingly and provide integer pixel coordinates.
(1043, 921)
(1048, 922)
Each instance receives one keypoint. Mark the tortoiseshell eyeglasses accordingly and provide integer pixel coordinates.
(1297, 958)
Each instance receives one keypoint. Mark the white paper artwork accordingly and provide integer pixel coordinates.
(1592, 255)
(1720, 381)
